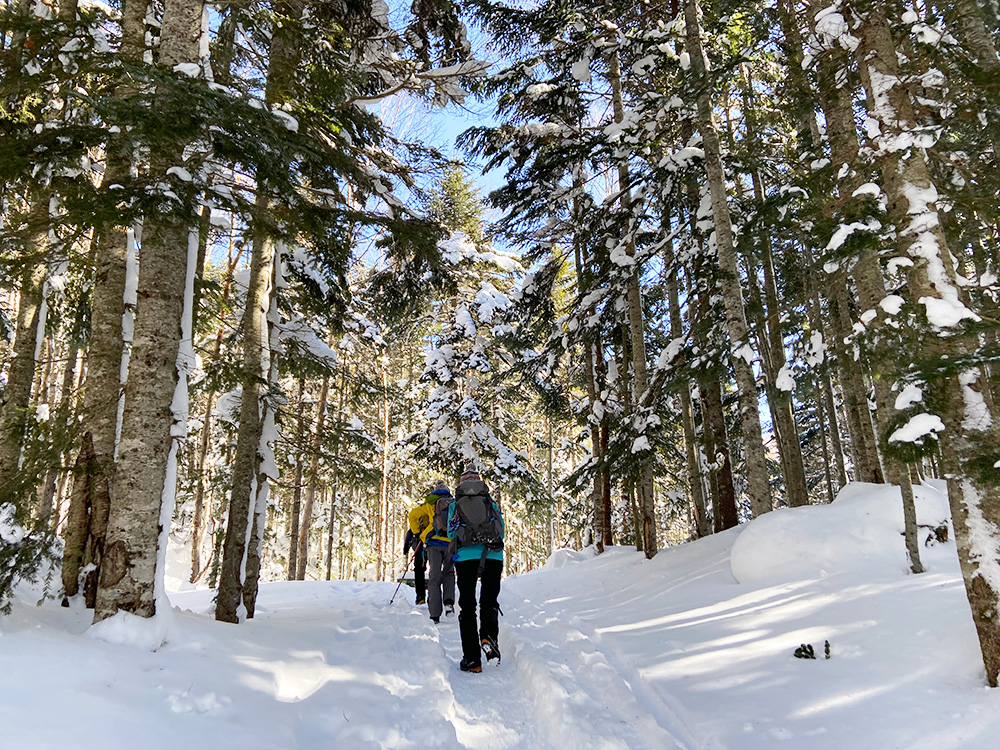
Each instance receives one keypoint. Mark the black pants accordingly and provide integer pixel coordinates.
(466, 575)
(419, 577)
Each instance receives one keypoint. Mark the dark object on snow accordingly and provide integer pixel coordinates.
(805, 651)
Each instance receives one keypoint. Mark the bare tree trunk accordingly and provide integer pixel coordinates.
(742, 354)
(910, 520)
(594, 409)
(198, 522)
(129, 568)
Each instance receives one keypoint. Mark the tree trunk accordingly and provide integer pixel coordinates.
(772, 344)
(282, 58)
(594, 408)
(266, 466)
(742, 354)
(129, 568)
(106, 347)
(243, 494)
(198, 522)
(910, 519)
(382, 514)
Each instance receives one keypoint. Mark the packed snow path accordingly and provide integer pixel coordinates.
(311, 645)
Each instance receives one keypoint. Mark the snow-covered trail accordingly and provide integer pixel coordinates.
(368, 674)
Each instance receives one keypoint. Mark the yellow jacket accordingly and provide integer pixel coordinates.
(421, 521)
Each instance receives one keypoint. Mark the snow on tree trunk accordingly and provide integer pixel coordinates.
(970, 434)
(142, 481)
(732, 295)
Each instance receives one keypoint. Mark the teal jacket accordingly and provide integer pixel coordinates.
(475, 551)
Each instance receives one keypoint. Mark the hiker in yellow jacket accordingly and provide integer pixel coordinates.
(428, 522)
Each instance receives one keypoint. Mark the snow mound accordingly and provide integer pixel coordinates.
(861, 531)
(126, 629)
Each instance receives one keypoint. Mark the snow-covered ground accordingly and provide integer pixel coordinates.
(693, 649)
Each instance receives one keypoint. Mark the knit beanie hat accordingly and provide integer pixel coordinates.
(440, 485)
(470, 472)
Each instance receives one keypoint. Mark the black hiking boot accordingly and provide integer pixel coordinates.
(470, 666)
(436, 620)
(449, 610)
(490, 648)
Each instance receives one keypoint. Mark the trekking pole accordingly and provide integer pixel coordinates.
(405, 571)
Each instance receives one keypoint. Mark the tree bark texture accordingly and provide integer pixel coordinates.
(129, 566)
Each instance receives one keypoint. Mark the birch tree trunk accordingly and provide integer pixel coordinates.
(742, 353)
(129, 568)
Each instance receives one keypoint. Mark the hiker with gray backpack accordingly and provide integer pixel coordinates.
(476, 529)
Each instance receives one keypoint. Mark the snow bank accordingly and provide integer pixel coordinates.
(861, 531)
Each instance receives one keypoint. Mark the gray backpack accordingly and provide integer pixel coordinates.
(478, 522)
(441, 506)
